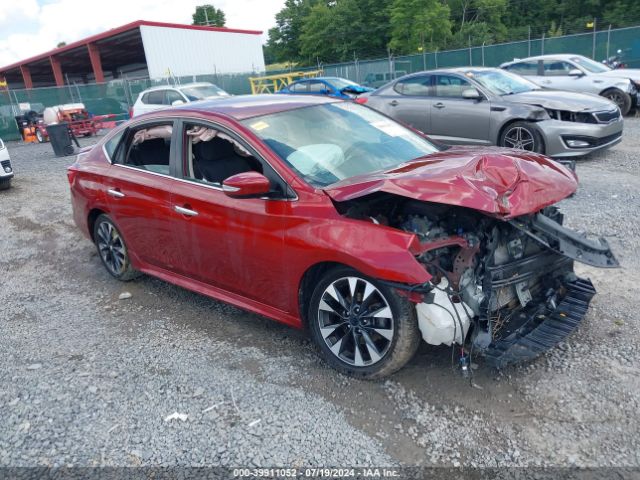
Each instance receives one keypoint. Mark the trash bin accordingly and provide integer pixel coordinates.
(60, 139)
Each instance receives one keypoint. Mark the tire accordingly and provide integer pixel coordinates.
(620, 98)
(378, 355)
(112, 249)
(526, 132)
(5, 183)
(39, 136)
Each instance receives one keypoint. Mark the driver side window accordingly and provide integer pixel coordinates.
(556, 68)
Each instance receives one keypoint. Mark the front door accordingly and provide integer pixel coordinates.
(229, 243)
(455, 119)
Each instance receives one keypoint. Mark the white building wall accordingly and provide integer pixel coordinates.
(196, 52)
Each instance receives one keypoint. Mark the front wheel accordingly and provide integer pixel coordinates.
(39, 136)
(361, 326)
(112, 249)
(620, 98)
(522, 136)
(5, 183)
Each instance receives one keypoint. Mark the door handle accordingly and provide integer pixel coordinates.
(393, 103)
(116, 193)
(185, 211)
(439, 105)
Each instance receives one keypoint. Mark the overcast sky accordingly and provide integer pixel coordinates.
(30, 27)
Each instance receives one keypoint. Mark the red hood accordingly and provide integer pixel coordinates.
(504, 182)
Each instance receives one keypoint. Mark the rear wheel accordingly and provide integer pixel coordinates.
(522, 136)
(620, 98)
(39, 136)
(112, 249)
(362, 327)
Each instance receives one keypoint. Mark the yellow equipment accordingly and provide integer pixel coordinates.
(273, 83)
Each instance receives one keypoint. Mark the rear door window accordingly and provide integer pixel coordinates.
(301, 87)
(415, 86)
(524, 68)
(148, 147)
(155, 97)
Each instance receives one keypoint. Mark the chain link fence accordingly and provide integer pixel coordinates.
(117, 97)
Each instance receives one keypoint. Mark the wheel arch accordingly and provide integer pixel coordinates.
(511, 121)
(307, 283)
(93, 215)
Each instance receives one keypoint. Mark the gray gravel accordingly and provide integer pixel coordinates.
(87, 378)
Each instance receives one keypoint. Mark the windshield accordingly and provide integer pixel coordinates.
(203, 91)
(340, 83)
(501, 82)
(589, 65)
(328, 143)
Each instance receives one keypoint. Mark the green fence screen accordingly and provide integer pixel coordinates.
(117, 97)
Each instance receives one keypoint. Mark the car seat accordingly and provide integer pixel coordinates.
(217, 160)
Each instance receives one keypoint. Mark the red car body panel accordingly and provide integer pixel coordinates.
(254, 253)
(495, 181)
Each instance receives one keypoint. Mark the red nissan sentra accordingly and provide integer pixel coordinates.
(326, 214)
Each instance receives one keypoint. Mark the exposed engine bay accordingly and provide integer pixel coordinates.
(505, 289)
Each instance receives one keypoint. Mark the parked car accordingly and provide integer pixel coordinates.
(331, 86)
(165, 96)
(320, 212)
(488, 106)
(6, 170)
(581, 74)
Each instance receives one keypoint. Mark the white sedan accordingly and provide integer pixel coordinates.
(6, 171)
(166, 96)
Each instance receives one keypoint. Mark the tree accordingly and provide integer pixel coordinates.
(418, 23)
(61, 44)
(284, 39)
(209, 15)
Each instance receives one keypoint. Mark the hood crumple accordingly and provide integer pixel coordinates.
(507, 183)
(557, 100)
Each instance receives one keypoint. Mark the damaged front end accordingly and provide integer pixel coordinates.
(503, 288)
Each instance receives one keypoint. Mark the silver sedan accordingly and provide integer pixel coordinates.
(488, 106)
(576, 73)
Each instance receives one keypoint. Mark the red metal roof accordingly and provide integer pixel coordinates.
(118, 30)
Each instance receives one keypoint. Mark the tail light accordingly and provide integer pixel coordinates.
(71, 174)
(362, 100)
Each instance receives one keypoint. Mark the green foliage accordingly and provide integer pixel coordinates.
(418, 23)
(208, 15)
(308, 31)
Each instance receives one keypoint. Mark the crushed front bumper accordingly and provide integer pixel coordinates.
(543, 328)
(557, 136)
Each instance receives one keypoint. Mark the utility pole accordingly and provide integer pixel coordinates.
(594, 39)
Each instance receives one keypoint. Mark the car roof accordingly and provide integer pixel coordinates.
(559, 56)
(177, 87)
(459, 70)
(246, 106)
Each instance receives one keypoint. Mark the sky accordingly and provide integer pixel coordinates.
(30, 27)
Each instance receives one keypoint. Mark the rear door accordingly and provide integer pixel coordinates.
(455, 119)
(408, 101)
(139, 192)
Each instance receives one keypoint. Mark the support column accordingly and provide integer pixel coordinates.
(96, 63)
(26, 76)
(57, 71)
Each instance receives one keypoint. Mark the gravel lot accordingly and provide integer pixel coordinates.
(88, 379)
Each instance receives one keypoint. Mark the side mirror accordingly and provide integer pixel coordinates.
(246, 185)
(177, 102)
(471, 94)
(576, 73)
